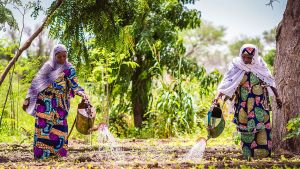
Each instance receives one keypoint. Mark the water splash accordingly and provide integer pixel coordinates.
(197, 151)
(105, 136)
(108, 142)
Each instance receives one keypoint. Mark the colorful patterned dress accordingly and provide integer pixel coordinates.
(51, 127)
(252, 117)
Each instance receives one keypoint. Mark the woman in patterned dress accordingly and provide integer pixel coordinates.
(248, 83)
(48, 100)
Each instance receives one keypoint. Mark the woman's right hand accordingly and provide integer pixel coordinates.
(83, 95)
(26, 104)
(216, 100)
(279, 103)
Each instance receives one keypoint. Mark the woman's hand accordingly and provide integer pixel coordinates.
(83, 95)
(26, 104)
(279, 103)
(278, 100)
(216, 100)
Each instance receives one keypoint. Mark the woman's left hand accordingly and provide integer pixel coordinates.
(279, 103)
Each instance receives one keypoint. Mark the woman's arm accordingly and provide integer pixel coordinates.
(278, 100)
(73, 83)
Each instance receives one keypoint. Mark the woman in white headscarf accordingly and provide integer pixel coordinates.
(248, 83)
(48, 100)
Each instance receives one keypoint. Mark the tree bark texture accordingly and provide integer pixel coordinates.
(287, 76)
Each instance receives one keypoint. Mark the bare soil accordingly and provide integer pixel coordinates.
(139, 154)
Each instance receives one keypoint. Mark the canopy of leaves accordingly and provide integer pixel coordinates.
(120, 23)
(6, 16)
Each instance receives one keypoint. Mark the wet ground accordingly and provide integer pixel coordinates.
(139, 154)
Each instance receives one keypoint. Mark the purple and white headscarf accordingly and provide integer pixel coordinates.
(238, 68)
(46, 76)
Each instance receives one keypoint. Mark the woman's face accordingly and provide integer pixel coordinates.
(61, 57)
(247, 58)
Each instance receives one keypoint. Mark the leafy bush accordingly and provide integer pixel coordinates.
(293, 126)
(174, 113)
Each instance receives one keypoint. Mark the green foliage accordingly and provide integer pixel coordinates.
(36, 6)
(178, 106)
(121, 50)
(136, 35)
(6, 16)
(157, 23)
(209, 82)
(7, 49)
(111, 69)
(109, 83)
(174, 113)
(270, 36)
(269, 58)
(293, 126)
(15, 123)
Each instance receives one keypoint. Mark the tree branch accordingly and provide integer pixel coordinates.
(271, 3)
(29, 41)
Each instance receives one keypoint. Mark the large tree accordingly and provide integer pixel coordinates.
(287, 70)
(151, 28)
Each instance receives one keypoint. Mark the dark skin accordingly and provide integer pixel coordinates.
(61, 57)
(25, 104)
(247, 60)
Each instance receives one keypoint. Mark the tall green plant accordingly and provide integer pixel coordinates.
(175, 111)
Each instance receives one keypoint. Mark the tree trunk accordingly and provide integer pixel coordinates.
(139, 96)
(287, 71)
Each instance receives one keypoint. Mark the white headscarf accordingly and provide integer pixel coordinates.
(46, 76)
(238, 68)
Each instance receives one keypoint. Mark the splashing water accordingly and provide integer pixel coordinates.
(197, 151)
(106, 138)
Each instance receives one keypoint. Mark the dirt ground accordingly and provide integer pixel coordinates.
(139, 154)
